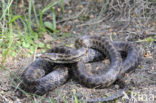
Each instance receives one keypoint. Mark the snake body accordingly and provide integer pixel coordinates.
(106, 47)
(39, 74)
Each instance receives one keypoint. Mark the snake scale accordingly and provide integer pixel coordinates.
(51, 69)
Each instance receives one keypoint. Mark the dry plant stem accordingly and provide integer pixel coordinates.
(2, 96)
(76, 16)
(93, 23)
(34, 56)
(18, 85)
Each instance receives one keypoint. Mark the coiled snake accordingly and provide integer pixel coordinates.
(40, 78)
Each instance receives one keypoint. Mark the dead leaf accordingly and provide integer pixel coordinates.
(99, 1)
(146, 32)
(58, 9)
(148, 54)
(70, 11)
(91, 16)
(74, 32)
(79, 7)
(114, 33)
(91, 32)
(21, 4)
(49, 17)
(153, 23)
(126, 74)
(133, 15)
(47, 38)
(110, 30)
(59, 27)
(66, 2)
(66, 28)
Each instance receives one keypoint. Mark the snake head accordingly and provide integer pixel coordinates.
(49, 56)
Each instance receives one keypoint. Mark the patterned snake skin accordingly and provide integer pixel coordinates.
(39, 75)
(105, 80)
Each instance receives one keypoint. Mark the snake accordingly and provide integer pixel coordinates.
(43, 77)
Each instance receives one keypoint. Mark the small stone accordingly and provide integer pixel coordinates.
(116, 86)
(74, 32)
(70, 11)
(58, 9)
(91, 16)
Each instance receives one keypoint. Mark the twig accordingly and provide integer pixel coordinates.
(85, 24)
(34, 57)
(139, 41)
(93, 23)
(104, 8)
(18, 86)
(6, 100)
(73, 17)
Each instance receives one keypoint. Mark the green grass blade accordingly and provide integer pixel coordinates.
(29, 15)
(15, 18)
(54, 18)
(49, 6)
(41, 20)
(51, 100)
(5, 8)
(75, 97)
(62, 6)
(36, 17)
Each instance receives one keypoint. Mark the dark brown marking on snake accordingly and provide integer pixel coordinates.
(56, 50)
(62, 50)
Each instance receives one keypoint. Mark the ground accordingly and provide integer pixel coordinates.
(137, 30)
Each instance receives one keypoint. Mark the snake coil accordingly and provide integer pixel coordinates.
(51, 70)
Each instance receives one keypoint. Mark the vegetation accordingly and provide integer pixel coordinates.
(16, 31)
(21, 34)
